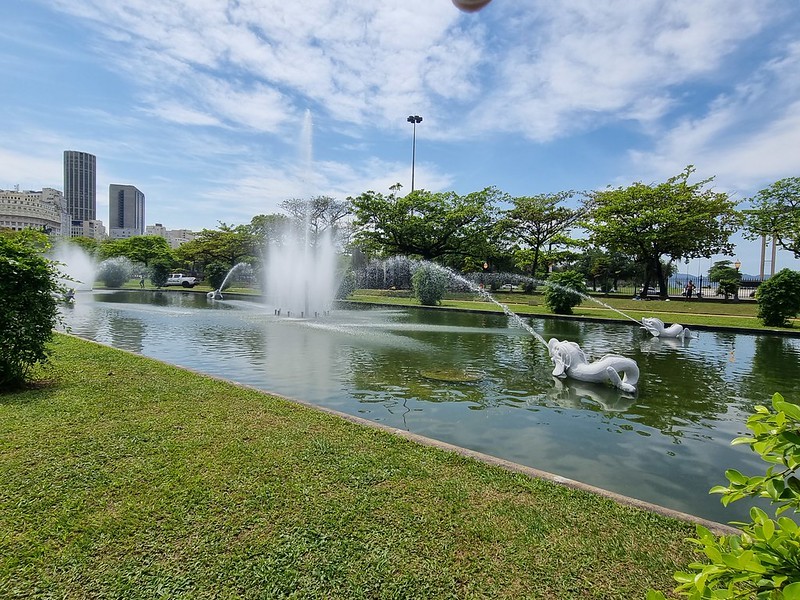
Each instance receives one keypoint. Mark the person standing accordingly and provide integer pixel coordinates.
(689, 288)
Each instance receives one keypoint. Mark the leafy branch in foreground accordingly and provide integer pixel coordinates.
(764, 560)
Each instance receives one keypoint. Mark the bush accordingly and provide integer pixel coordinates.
(764, 560)
(215, 273)
(28, 312)
(429, 284)
(779, 298)
(160, 269)
(115, 272)
(563, 291)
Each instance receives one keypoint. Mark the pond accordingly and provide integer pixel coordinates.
(476, 381)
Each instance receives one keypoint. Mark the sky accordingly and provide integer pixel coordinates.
(218, 110)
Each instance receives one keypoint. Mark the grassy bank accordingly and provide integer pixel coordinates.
(687, 312)
(124, 477)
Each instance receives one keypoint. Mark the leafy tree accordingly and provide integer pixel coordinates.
(145, 248)
(764, 560)
(429, 284)
(539, 222)
(442, 226)
(605, 268)
(563, 291)
(215, 274)
(90, 245)
(28, 312)
(160, 269)
(268, 228)
(227, 245)
(776, 212)
(320, 214)
(729, 278)
(672, 220)
(779, 298)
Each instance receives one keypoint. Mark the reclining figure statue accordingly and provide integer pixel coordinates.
(657, 328)
(570, 361)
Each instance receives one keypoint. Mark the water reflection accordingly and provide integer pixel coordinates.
(667, 444)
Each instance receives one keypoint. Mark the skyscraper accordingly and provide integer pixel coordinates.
(80, 185)
(125, 211)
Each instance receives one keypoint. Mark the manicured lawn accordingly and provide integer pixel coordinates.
(121, 477)
(685, 312)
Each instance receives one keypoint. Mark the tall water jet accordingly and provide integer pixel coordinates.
(300, 273)
(76, 265)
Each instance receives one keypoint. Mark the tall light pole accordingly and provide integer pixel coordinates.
(413, 119)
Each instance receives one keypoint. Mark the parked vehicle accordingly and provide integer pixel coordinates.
(182, 280)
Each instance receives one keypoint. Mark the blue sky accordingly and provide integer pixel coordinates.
(201, 103)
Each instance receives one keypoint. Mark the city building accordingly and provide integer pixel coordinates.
(80, 185)
(92, 229)
(28, 209)
(125, 211)
(175, 237)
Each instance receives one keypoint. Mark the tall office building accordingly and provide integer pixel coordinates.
(80, 185)
(125, 211)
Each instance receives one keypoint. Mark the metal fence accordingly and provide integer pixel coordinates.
(675, 288)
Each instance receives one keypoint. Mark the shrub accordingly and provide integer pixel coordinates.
(779, 298)
(114, 272)
(429, 284)
(28, 311)
(764, 560)
(563, 291)
(160, 269)
(215, 273)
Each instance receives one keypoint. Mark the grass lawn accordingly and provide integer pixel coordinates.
(121, 477)
(686, 312)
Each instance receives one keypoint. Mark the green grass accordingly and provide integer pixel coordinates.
(122, 477)
(686, 312)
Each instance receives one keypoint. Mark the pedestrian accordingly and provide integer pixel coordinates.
(689, 290)
(141, 281)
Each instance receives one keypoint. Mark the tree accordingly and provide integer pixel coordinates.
(320, 214)
(442, 226)
(145, 248)
(729, 278)
(673, 220)
(538, 223)
(227, 245)
(28, 312)
(268, 228)
(776, 212)
(779, 298)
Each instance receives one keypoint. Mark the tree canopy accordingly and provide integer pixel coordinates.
(776, 212)
(675, 219)
(428, 225)
(539, 222)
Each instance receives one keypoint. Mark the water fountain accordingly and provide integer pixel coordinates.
(657, 327)
(300, 266)
(229, 277)
(76, 266)
(568, 358)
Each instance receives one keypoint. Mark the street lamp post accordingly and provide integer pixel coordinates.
(413, 119)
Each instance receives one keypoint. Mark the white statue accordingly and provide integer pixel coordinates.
(570, 361)
(658, 329)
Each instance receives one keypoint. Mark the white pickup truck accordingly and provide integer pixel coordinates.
(181, 279)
